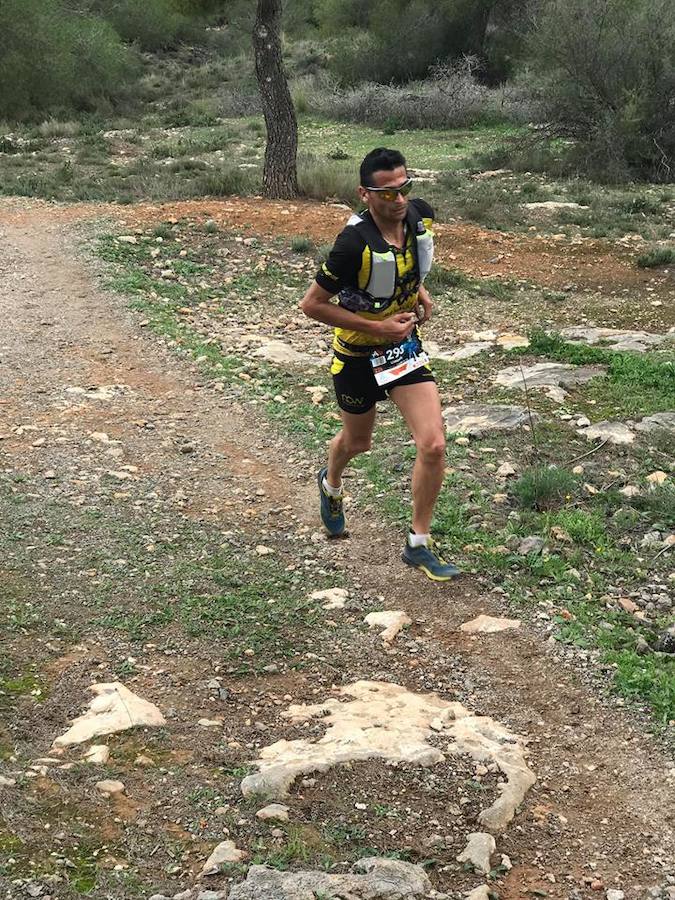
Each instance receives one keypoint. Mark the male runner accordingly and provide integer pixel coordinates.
(376, 269)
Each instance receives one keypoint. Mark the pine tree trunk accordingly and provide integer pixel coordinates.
(280, 179)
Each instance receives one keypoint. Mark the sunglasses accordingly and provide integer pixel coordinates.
(391, 193)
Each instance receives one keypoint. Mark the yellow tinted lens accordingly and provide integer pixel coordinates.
(390, 196)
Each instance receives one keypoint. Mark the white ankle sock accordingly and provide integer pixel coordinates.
(418, 540)
(333, 491)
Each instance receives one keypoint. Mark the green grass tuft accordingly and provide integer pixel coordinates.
(544, 487)
(659, 256)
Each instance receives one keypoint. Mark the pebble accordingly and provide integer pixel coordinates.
(531, 544)
(110, 787)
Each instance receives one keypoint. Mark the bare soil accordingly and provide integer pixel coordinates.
(601, 813)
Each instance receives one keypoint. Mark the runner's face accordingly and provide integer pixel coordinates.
(390, 211)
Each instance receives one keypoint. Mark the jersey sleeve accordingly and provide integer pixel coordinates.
(341, 269)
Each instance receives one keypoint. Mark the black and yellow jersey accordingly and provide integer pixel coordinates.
(360, 270)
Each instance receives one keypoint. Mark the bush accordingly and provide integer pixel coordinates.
(152, 24)
(609, 82)
(226, 181)
(323, 181)
(53, 58)
(450, 98)
(543, 487)
(659, 256)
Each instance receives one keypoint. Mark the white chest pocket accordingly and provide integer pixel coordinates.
(382, 280)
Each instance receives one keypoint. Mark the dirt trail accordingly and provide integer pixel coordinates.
(602, 808)
(544, 259)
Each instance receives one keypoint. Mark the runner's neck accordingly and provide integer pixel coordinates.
(394, 236)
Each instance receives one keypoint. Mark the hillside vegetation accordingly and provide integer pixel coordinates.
(596, 78)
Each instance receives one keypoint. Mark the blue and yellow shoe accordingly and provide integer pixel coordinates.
(428, 560)
(332, 514)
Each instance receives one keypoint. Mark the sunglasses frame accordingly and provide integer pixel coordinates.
(403, 189)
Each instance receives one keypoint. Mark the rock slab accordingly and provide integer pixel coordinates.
(380, 720)
(373, 879)
(552, 377)
(489, 625)
(478, 851)
(477, 419)
(114, 708)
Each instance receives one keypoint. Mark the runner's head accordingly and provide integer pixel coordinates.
(385, 185)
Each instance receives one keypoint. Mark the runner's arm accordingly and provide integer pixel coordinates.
(317, 304)
(426, 303)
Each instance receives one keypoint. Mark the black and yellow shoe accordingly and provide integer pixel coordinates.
(428, 560)
(332, 514)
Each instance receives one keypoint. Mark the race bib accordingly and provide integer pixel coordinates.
(393, 362)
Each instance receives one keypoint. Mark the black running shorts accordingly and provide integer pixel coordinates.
(355, 386)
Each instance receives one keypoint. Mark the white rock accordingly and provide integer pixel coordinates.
(614, 338)
(110, 787)
(97, 755)
(466, 351)
(261, 550)
(282, 354)
(613, 432)
(382, 879)
(6, 782)
(489, 625)
(275, 811)
(113, 709)
(613, 894)
(506, 470)
(630, 490)
(390, 620)
(226, 853)
(477, 419)
(510, 341)
(385, 721)
(553, 377)
(478, 851)
(335, 598)
(657, 478)
(482, 892)
(552, 205)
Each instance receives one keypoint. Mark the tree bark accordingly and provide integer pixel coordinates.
(280, 179)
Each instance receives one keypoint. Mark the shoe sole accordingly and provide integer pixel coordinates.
(429, 573)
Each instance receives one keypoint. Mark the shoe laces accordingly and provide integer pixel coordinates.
(335, 504)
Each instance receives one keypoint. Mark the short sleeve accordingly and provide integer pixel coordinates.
(425, 209)
(341, 269)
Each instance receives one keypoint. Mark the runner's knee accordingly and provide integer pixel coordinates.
(355, 444)
(431, 446)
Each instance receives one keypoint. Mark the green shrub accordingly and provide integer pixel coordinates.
(151, 24)
(52, 57)
(608, 81)
(322, 181)
(544, 487)
(583, 527)
(442, 279)
(658, 503)
(659, 256)
(225, 182)
(302, 245)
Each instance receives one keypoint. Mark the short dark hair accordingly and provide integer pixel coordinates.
(379, 159)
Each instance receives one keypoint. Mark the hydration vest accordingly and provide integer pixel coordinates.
(379, 280)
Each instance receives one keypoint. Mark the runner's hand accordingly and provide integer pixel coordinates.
(424, 308)
(395, 328)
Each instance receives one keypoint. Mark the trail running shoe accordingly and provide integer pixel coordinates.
(428, 560)
(332, 515)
